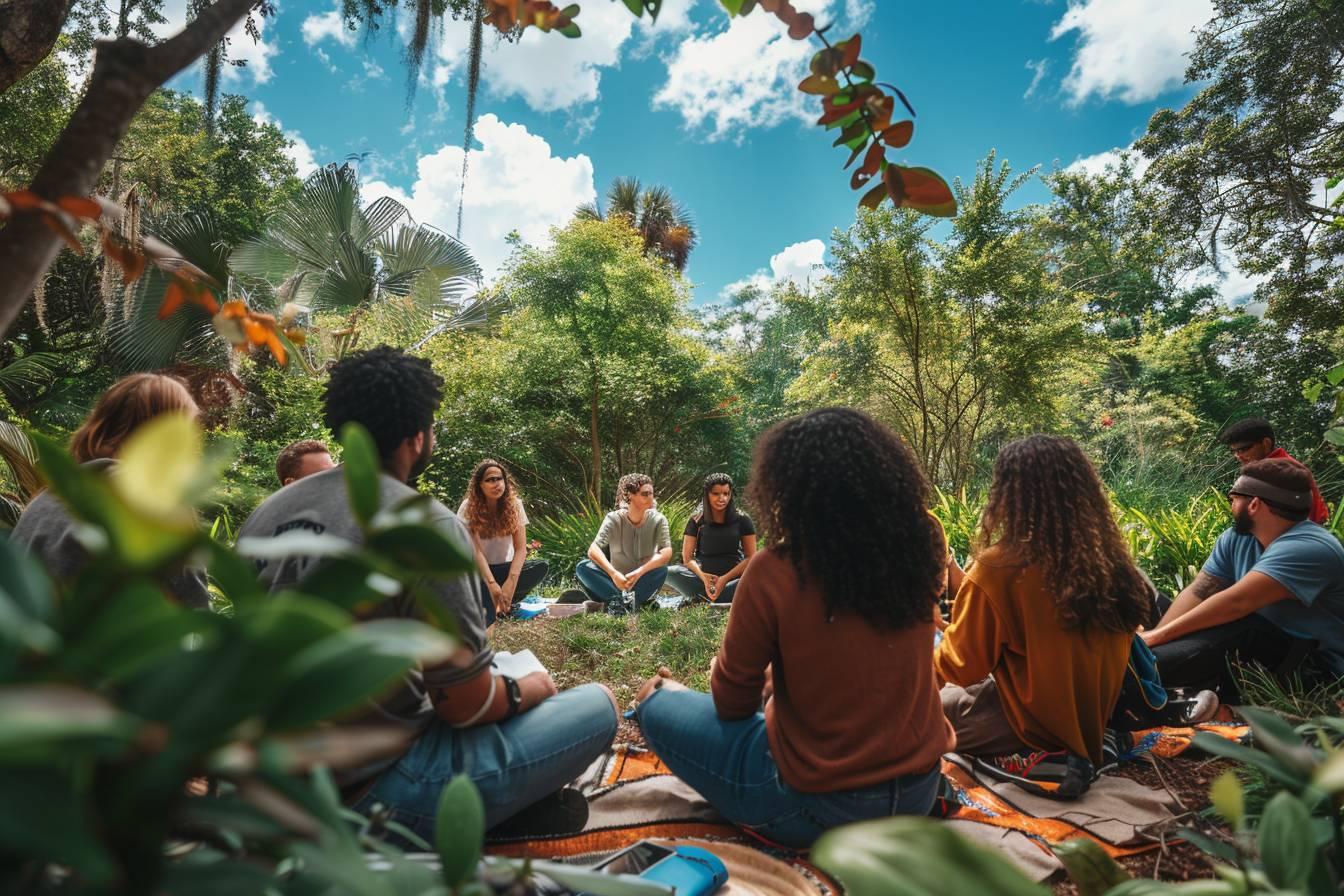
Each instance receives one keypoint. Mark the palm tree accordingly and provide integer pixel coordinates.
(323, 251)
(662, 221)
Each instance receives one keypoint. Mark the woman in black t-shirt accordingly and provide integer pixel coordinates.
(718, 542)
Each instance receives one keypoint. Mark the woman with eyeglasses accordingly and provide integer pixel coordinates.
(842, 651)
(494, 515)
(718, 543)
(631, 550)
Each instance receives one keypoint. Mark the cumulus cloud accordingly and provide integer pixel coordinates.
(746, 75)
(299, 152)
(799, 263)
(1131, 50)
(327, 26)
(515, 182)
(1097, 163)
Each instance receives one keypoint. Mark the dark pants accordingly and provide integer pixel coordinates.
(529, 577)
(1202, 659)
(688, 584)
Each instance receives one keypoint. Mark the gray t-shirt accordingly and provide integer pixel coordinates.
(46, 529)
(319, 504)
(629, 545)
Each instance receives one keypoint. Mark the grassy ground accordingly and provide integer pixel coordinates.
(620, 651)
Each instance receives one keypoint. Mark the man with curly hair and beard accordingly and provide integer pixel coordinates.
(1274, 579)
(519, 740)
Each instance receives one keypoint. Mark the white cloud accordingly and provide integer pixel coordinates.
(1131, 50)
(1097, 163)
(802, 263)
(300, 153)
(550, 72)
(514, 183)
(257, 54)
(327, 26)
(1038, 69)
(745, 76)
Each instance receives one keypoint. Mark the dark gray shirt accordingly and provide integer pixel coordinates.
(47, 530)
(319, 504)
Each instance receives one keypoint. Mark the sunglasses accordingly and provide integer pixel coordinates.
(493, 479)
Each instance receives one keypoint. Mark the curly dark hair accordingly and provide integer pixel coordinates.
(482, 519)
(288, 460)
(392, 394)
(730, 512)
(627, 485)
(846, 501)
(1047, 506)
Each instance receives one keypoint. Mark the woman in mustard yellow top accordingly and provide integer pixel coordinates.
(1041, 628)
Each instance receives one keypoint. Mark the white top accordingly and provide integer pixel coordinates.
(499, 549)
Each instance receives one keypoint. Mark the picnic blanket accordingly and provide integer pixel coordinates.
(632, 796)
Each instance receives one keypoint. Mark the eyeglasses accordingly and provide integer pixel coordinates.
(1242, 448)
(493, 479)
(1231, 495)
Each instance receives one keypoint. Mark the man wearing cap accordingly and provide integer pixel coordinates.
(1273, 577)
(1252, 439)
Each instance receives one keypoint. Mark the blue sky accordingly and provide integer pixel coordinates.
(708, 107)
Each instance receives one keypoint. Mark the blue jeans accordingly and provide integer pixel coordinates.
(730, 765)
(596, 582)
(513, 763)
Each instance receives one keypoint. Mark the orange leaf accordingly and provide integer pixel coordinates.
(872, 163)
(920, 189)
(820, 85)
(173, 298)
(879, 106)
(873, 198)
(131, 262)
(277, 348)
(850, 49)
(81, 207)
(899, 134)
(26, 200)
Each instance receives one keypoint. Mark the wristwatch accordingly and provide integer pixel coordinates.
(515, 696)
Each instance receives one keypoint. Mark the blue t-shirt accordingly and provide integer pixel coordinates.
(1309, 562)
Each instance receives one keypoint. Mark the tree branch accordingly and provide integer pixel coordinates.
(125, 74)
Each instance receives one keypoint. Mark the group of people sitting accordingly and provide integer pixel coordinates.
(839, 684)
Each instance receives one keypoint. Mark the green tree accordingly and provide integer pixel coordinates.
(616, 308)
(32, 114)
(661, 221)
(947, 342)
(1241, 164)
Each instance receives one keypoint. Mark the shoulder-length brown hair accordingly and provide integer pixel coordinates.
(1047, 506)
(128, 404)
(484, 518)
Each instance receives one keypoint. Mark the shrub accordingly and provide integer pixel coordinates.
(565, 536)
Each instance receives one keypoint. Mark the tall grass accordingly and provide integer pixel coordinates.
(1170, 543)
(565, 536)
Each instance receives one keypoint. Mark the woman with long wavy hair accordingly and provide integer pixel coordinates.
(494, 515)
(46, 529)
(833, 624)
(1043, 624)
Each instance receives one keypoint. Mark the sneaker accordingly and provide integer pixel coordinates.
(1115, 745)
(1058, 775)
(594, 606)
(945, 802)
(1202, 708)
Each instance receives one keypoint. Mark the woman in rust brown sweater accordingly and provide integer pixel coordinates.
(838, 616)
(1042, 625)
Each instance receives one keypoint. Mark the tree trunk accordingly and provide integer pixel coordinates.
(27, 33)
(125, 73)
(594, 444)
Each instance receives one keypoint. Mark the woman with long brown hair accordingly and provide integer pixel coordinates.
(46, 528)
(494, 515)
(1042, 625)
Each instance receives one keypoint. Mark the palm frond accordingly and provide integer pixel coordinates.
(623, 198)
(589, 211)
(379, 217)
(18, 453)
(29, 372)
